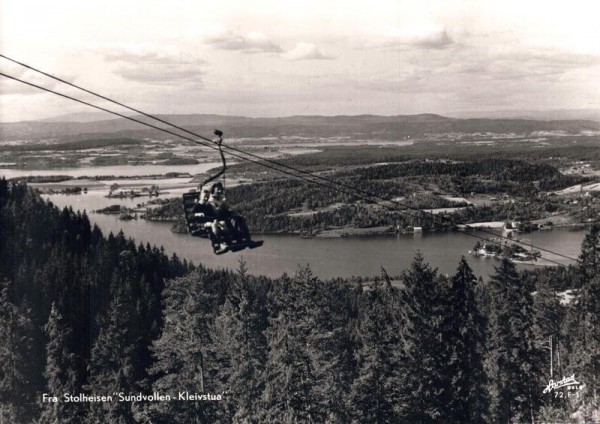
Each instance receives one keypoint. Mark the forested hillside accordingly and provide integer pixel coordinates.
(292, 205)
(85, 313)
(59, 280)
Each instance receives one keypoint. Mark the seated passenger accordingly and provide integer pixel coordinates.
(202, 211)
(227, 224)
(205, 196)
(217, 200)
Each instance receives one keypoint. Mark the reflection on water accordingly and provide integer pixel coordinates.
(117, 170)
(93, 200)
(327, 257)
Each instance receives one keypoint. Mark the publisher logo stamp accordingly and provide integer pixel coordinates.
(570, 384)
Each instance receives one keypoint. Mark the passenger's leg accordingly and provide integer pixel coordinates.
(222, 241)
(241, 228)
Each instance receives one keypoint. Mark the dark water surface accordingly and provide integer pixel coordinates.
(327, 257)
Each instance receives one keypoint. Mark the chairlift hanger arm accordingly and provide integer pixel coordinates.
(219, 141)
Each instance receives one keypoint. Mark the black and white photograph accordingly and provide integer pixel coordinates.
(291, 212)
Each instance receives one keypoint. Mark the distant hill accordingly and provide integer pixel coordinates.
(358, 127)
(77, 117)
(547, 115)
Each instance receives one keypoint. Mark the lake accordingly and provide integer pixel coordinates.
(327, 257)
(116, 170)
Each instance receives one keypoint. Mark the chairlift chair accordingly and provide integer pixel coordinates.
(199, 216)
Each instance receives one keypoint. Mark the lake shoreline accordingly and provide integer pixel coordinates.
(329, 257)
(373, 232)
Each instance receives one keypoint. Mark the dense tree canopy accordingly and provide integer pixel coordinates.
(85, 313)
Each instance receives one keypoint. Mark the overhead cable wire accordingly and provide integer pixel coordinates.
(289, 173)
(331, 187)
(354, 189)
(99, 95)
(286, 172)
(261, 161)
(338, 183)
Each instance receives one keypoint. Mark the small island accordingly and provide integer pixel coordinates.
(499, 249)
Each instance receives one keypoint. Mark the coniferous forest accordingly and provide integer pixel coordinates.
(122, 333)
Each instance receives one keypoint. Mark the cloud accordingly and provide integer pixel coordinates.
(144, 56)
(305, 51)
(251, 42)
(539, 65)
(9, 86)
(467, 75)
(149, 65)
(427, 36)
(161, 75)
(148, 55)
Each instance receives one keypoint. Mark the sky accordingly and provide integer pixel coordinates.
(264, 58)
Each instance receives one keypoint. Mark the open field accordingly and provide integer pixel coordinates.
(456, 171)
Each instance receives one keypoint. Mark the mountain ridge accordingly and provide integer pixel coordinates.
(315, 126)
(589, 114)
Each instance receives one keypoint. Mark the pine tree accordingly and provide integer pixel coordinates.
(511, 356)
(239, 347)
(180, 355)
(548, 327)
(584, 324)
(17, 394)
(112, 366)
(289, 394)
(330, 347)
(424, 308)
(549, 320)
(61, 373)
(374, 395)
(589, 260)
(465, 336)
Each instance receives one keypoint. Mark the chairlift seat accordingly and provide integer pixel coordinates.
(196, 215)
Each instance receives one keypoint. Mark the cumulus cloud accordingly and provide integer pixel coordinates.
(225, 39)
(428, 36)
(305, 51)
(149, 65)
(148, 55)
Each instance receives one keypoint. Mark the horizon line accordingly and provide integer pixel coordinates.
(519, 115)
